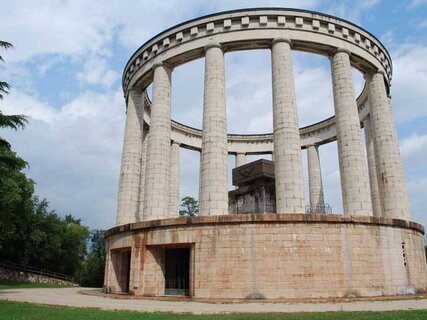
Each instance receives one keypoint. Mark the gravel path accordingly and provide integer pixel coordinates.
(71, 297)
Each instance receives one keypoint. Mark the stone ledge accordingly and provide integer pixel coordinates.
(267, 218)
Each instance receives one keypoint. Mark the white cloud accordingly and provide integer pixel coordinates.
(388, 38)
(353, 10)
(418, 192)
(408, 84)
(95, 71)
(80, 27)
(74, 152)
(249, 102)
(416, 3)
(413, 145)
(21, 103)
(56, 27)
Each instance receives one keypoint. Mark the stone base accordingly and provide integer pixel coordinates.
(271, 256)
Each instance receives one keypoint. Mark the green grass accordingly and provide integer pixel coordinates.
(6, 284)
(27, 311)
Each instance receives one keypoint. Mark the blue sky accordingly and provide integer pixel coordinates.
(66, 69)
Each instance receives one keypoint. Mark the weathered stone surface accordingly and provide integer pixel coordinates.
(351, 156)
(130, 171)
(284, 255)
(281, 256)
(156, 191)
(315, 179)
(248, 173)
(372, 167)
(174, 201)
(390, 175)
(287, 150)
(240, 159)
(256, 188)
(213, 196)
(258, 197)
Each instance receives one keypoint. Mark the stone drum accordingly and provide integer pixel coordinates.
(276, 250)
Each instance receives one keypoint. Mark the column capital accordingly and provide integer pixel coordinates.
(345, 50)
(213, 44)
(312, 145)
(370, 74)
(162, 64)
(281, 39)
(135, 89)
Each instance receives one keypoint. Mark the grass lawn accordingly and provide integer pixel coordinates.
(26, 311)
(4, 284)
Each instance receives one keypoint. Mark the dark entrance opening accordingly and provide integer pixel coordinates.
(126, 273)
(177, 271)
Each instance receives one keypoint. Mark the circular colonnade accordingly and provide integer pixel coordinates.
(224, 254)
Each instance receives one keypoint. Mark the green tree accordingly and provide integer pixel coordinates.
(8, 121)
(16, 205)
(190, 207)
(30, 233)
(94, 264)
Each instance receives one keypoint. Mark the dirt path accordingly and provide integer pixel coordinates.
(71, 297)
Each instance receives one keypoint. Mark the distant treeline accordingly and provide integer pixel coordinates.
(32, 234)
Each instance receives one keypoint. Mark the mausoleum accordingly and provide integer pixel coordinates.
(257, 241)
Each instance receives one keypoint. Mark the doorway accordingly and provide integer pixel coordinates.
(177, 275)
(120, 275)
(126, 270)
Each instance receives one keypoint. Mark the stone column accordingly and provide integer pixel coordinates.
(240, 159)
(213, 198)
(174, 201)
(372, 168)
(287, 150)
(351, 156)
(156, 194)
(317, 202)
(128, 202)
(390, 175)
(136, 270)
(140, 216)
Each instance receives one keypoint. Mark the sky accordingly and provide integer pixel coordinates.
(65, 73)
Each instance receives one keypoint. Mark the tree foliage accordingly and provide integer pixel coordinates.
(8, 121)
(94, 264)
(31, 233)
(190, 207)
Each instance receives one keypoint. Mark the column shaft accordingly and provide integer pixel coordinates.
(372, 168)
(213, 198)
(287, 150)
(174, 201)
(240, 159)
(352, 163)
(156, 193)
(390, 175)
(127, 208)
(140, 216)
(317, 202)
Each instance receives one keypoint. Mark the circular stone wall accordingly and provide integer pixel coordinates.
(363, 252)
(273, 256)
